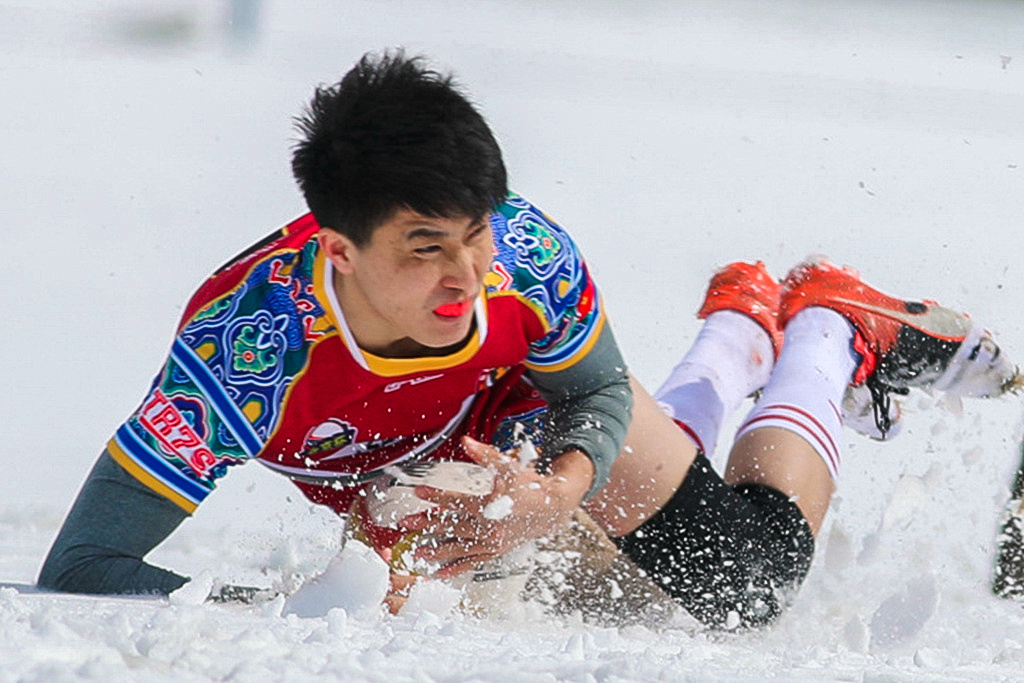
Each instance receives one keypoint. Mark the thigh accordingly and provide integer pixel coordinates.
(784, 461)
(656, 456)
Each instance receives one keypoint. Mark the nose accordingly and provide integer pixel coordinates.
(461, 270)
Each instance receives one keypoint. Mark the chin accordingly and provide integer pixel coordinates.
(448, 337)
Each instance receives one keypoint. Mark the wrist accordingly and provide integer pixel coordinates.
(571, 476)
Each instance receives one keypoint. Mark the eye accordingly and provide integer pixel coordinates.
(427, 250)
(479, 230)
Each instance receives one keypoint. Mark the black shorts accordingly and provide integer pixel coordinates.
(732, 555)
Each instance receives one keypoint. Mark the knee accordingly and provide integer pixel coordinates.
(731, 556)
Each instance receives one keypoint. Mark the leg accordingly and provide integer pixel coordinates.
(730, 553)
(645, 476)
(731, 358)
(726, 553)
(786, 462)
(722, 551)
(791, 439)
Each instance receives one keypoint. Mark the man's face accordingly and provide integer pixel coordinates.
(410, 289)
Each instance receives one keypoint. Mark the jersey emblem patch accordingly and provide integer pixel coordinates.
(335, 439)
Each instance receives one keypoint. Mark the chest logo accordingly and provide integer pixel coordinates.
(335, 439)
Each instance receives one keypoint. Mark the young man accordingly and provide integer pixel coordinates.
(422, 314)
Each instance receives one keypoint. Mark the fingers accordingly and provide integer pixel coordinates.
(395, 603)
(445, 519)
(450, 556)
(466, 528)
(445, 498)
(456, 558)
(462, 566)
(413, 522)
(398, 592)
(401, 583)
(449, 505)
(482, 453)
(506, 468)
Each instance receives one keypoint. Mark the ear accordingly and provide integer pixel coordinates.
(338, 249)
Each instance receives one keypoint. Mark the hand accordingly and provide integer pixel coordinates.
(399, 586)
(524, 504)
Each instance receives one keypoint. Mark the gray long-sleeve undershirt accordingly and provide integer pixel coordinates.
(589, 407)
(117, 520)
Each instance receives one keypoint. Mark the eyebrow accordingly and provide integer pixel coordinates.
(428, 232)
(425, 233)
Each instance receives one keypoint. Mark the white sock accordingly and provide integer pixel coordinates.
(805, 392)
(730, 359)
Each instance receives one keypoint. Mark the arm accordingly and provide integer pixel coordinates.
(186, 433)
(590, 407)
(113, 524)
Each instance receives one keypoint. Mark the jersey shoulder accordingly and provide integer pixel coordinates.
(538, 261)
(292, 238)
(534, 257)
(256, 337)
(247, 335)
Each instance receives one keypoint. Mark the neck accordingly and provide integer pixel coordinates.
(410, 348)
(377, 338)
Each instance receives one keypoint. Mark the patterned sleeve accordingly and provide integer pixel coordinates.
(186, 432)
(220, 393)
(550, 274)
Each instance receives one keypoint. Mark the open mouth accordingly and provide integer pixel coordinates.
(454, 310)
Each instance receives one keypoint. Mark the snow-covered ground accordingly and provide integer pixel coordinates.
(143, 143)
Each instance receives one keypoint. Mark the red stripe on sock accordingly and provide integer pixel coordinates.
(809, 416)
(693, 436)
(825, 447)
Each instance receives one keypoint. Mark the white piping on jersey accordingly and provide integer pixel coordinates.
(350, 341)
(479, 313)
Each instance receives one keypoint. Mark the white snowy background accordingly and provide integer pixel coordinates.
(144, 143)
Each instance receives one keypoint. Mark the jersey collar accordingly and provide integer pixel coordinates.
(393, 367)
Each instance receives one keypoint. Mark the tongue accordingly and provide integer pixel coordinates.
(453, 310)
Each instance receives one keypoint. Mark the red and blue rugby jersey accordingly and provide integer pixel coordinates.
(264, 367)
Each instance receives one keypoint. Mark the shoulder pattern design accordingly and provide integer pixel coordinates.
(537, 259)
(223, 388)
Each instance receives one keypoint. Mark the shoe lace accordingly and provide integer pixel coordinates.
(881, 402)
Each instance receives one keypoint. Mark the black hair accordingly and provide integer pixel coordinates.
(395, 134)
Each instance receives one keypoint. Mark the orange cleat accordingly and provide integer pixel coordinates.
(747, 288)
(902, 344)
